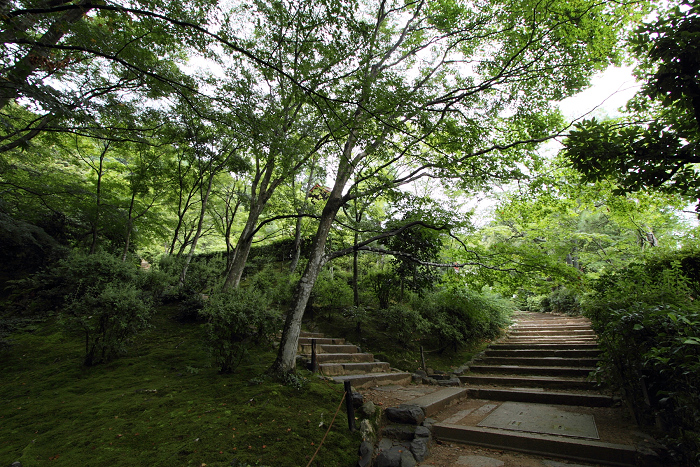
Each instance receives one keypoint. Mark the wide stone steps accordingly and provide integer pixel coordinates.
(548, 382)
(538, 345)
(540, 361)
(545, 361)
(581, 372)
(531, 353)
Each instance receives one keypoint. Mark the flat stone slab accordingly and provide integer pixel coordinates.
(438, 400)
(479, 461)
(542, 419)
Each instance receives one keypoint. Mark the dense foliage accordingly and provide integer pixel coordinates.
(648, 318)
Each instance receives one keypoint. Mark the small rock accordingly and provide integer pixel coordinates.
(368, 409)
(16, 464)
(367, 431)
(402, 432)
(408, 414)
(449, 382)
(421, 373)
(416, 378)
(429, 422)
(419, 448)
(384, 444)
(391, 457)
(422, 431)
(356, 399)
(407, 459)
(365, 453)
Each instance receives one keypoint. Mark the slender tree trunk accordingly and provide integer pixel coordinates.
(98, 201)
(245, 242)
(129, 226)
(188, 260)
(286, 355)
(355, 289)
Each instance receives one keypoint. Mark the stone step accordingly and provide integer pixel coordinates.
(314, 335)
(339, 369)
(321, 341)
(544, 382)
(540, 361)
(532, 370)
(329, 348)
(344, 357)
(550, 340)
(550, 332)
(538, 352)
(541, 444)
(537, 345)
(369, 380)
(570, 327)
(439, 400)
(541, 397)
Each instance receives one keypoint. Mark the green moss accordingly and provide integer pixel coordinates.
(161, 405)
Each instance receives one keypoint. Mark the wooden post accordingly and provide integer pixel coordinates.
(422, 359)
(350, 407)
(314, 364)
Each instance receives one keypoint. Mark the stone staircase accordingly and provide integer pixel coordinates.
(345, 362)
(530, 392)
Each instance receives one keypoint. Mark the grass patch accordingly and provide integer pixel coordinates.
(161, 405)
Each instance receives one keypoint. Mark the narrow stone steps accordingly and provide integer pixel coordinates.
(532, 370)
(369, 380)
(344, 358)
(345, 362)
(439, 400)
(320, 341)
(311, 334)
(544, 382)
(329, 348)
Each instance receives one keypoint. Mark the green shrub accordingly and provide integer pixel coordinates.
(562, 300)
(648, 321)
(403, 323)
(459, 315)
(332, 291)
(236, 321)
(104, 300)
(107, 317)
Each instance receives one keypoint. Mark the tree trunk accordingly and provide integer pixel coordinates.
(129, 227)
(188, 260)
(286, 355)
(98, 199)
(38, 53)
(355, 289)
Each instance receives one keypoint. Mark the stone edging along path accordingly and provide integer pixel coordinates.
(525, 400)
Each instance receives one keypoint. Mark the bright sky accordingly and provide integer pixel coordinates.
(609, 91)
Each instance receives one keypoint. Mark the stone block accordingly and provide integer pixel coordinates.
(406, 414)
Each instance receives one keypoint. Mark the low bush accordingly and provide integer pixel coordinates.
(648, 321)
(107, 318)
(236, 321)
(403, 323)
(458, 315)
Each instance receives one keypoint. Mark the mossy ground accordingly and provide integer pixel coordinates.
(161, 405)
